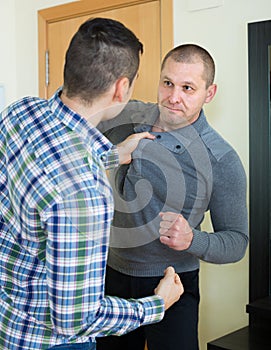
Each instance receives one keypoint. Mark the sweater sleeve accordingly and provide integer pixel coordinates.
(228, 209)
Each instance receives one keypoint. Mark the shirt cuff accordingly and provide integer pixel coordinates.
(110, 159)
(154, 308)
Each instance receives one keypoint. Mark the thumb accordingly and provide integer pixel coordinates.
(169, 272)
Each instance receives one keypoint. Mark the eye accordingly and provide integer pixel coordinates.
(167, 83)
(188, 88)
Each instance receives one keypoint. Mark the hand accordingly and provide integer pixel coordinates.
(175, 231)
(126, 147)
(170, 288)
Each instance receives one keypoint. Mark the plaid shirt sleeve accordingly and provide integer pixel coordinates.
(76, 259)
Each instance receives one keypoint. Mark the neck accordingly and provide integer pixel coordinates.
(159, 126)
(162, 126)
(93, 113)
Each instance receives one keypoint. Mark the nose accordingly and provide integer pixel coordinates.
(175, 96)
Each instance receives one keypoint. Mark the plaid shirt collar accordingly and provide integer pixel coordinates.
(80, 125)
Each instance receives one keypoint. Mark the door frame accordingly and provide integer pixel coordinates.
(259, 52)
(80, 8)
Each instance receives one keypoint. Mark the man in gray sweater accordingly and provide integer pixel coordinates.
(162, 196)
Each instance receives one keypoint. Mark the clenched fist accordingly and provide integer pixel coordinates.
(170, 288)
(175, 231)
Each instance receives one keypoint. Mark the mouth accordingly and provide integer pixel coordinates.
(172, 109)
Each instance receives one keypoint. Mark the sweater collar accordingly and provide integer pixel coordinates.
(145, 121)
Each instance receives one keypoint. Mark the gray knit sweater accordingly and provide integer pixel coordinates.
(191, 170)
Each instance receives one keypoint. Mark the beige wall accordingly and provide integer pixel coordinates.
(223, 31)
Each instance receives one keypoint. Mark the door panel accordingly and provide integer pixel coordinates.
(148, 30)
(144, 18)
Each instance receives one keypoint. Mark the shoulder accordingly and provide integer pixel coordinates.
(135, 112)
(226, 163)
(216, 144)
(132, 111)
(23, 110)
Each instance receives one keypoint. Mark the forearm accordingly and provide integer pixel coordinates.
(228, 210)
(219, 247)
(118, 316)
(76, 254)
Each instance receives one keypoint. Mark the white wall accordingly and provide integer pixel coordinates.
(223, 31)
(19, 46)
(8, 49)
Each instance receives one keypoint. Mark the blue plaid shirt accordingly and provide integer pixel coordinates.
(56, 208)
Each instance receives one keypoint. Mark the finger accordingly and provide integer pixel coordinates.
(166, 224)
(144, 135)
(169, 216)
(166, 240)
(177, 279)
(164, 232)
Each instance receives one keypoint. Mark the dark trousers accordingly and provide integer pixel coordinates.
(179, 328)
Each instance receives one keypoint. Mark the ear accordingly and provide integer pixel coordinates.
(122, 87)
(211, 91)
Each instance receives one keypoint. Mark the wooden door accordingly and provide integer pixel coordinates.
(150, 20)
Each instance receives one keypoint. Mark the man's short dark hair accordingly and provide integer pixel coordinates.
(101, 51)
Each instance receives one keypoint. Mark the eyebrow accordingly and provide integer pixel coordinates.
(166, 77)
(183, 83)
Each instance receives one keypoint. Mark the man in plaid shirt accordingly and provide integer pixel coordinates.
(56, 203)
